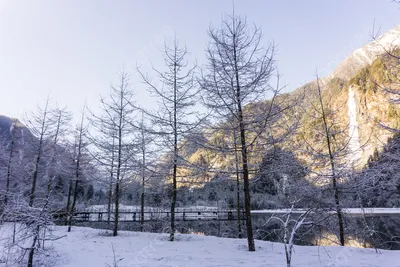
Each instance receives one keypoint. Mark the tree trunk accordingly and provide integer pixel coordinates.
(142, 211)
(333, 170)
(339, 212)
(143, 178)
(38, 157)
(69, 200)
(245, 168)
(77, 169)
(174, 183)
(237, 186)
(246, 185)
(32, 249)
(173, 204)
(109, 204)
(117, 183)
(116, 212)
(111, 183)
(71, 213)
(34, 178)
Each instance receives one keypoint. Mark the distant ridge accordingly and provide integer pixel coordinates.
(364, 56)
(20, 129)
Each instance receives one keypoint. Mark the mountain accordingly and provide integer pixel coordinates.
(13, 128)
(366, 55)
(55, 161)
(360, 80)
(6, 125)
(350, 93)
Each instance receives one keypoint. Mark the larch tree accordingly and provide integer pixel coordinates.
(328, 138)
(114, 137)
(238, 72)
(79, 146)
(42, 125)
(147, 149)
(47, 127)
(175, 119)
(55, 158)
(331, 154)
(104, 152)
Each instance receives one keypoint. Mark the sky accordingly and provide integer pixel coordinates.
(72, 50)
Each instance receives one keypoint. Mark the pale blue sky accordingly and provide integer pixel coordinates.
(72, 49)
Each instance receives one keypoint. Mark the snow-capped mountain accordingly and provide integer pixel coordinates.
(364, 56)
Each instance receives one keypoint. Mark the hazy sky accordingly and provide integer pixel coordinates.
(73, 49)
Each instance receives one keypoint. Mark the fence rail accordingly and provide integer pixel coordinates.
(210, 215)
(130, 216)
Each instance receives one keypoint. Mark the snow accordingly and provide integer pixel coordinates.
(87, 247)
(362, 56)
(93, 248)
(385, 42)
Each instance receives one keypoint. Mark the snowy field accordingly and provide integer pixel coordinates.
(86, 247)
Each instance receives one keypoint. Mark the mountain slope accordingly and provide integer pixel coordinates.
(361, 69)
(365, 56)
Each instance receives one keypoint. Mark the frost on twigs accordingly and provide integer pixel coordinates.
(25, 230)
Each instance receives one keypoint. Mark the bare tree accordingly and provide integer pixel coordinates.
(146, 147)
(175, 118)
(291, 224)
(42, 126)
(38, 152)
(79, 146)
(328, 136)
(238, 73)
(55, 159)
(115, 136)
(104, 140)
(328, 142)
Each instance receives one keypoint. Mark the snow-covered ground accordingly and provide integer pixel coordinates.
(86, 247)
